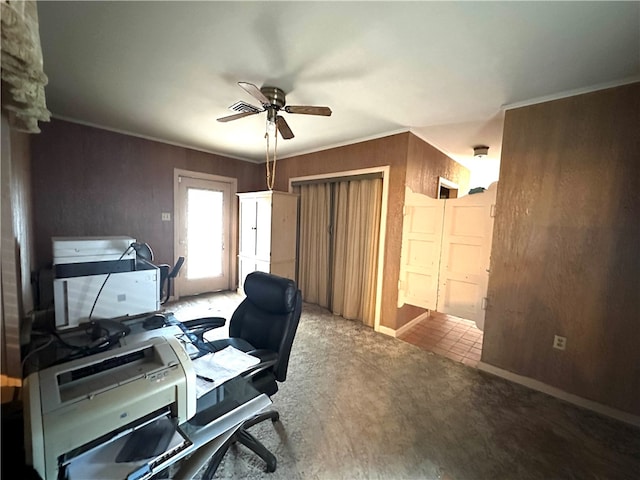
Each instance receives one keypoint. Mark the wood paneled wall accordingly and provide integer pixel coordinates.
(565, 255)
(89, 181)
(425, 164)
(411, 160)
(390, 151)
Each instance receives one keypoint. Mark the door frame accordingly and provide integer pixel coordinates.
(384, 170)
(233, 227)
(448, 184)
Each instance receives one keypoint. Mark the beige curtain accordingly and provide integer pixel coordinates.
(23, 78)
(313, 263)
(339, 246)
(355, 249)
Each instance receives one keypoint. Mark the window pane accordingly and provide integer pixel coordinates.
(204, 224)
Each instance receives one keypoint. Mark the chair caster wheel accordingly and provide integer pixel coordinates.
(271, 467)
(275, 418)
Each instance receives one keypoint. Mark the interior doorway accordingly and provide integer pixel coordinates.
(447, 189)
(204, 221)
(446, 253)
(445, 265)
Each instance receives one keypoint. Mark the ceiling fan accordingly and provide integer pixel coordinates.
(272, 100)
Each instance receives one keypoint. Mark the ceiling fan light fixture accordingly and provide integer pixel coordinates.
(480, 151)
(271, 127)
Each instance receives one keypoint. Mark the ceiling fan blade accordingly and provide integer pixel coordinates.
(308, 110)
(236, 116)
(283, 128)
(255, 92)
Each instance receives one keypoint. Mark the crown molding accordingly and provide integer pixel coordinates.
(572, 93)
(147, 137)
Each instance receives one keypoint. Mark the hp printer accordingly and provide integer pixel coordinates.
(76, 410)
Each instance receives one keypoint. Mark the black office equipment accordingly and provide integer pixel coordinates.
(264, 325)
(154, 321)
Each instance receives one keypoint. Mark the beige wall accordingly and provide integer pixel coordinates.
(565, 256)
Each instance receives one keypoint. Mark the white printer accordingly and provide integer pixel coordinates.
(80, 415)
(101, 277)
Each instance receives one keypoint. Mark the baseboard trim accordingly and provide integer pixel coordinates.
(560, 394)
(386, 331)
(412, 323)
(409, 325)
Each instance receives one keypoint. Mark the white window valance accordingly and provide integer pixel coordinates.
(23, 77)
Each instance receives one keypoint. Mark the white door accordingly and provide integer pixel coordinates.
(248, 227)
(466, 252)
(263, 228)
(255, 227)
(420, 254)
(204, 219)
(255, 235)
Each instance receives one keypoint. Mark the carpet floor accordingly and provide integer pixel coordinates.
(362, 405)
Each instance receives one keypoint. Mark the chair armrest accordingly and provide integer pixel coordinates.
(200, 326)
(268, 359)
(205, 322)
(265, 356)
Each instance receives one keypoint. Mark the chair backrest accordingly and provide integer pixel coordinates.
(176, 268)
(167, 274)
(268, 317)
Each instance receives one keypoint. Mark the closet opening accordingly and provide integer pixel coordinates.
(341, 231)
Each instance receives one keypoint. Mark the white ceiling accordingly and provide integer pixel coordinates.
(443, 70)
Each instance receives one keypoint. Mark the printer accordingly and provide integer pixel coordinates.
(101, 277)
(77, 410)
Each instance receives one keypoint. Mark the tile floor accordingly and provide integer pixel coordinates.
(452, 337)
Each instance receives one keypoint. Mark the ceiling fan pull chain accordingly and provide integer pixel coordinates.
(271, 172)
(273, 167)
(266, 135)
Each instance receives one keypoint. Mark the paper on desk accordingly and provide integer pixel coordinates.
(220, 367)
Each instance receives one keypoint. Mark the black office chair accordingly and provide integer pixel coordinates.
(264, 325)
(167, 275)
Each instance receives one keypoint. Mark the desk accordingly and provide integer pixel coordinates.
(219, 414)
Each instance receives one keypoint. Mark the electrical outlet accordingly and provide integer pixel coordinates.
(559, 342)
(166, 216)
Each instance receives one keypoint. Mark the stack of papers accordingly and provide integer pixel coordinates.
(213, 369)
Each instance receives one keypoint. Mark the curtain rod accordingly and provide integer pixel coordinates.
(362, 176)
